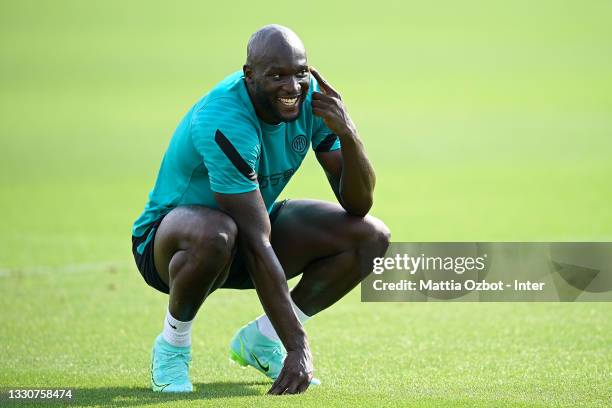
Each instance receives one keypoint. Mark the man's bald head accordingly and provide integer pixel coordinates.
(271, 43)
(276, 74)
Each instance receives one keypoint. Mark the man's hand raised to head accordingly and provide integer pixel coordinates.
(329, 106)
(349, 171)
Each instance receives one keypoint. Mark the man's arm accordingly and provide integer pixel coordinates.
(249, 213)
(348, 170)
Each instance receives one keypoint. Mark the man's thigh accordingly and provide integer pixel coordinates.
(192, 228)
(307, 230)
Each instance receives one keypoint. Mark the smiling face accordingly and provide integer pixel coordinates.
(276, 74)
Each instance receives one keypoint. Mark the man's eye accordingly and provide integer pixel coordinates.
(303, 73)
(276, 76)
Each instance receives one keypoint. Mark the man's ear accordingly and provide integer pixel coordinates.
(248, 72)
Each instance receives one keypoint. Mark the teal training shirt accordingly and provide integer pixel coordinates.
(221, 146)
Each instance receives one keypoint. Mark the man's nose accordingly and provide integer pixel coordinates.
(291, 85)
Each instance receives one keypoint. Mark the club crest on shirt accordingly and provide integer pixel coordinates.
(299, 144)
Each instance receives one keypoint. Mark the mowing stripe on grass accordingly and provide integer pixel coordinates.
(67, 268)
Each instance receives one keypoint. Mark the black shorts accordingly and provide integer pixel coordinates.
(238, 278)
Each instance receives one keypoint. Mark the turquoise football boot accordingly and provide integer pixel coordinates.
(251, 348)
(170, 367)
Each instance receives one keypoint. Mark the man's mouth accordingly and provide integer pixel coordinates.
(289, 101)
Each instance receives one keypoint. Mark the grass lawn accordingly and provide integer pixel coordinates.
(486, 121)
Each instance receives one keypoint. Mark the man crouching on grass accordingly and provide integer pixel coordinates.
(212, 221)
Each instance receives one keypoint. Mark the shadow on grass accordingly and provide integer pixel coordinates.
(130, 396)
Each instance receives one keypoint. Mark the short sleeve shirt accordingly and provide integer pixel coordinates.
(221, 146)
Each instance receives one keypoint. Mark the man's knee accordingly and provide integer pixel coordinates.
(374, 241)
(373, 235)
(369, 238)
(214, 244)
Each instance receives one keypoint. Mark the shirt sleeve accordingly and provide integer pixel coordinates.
(323, 139)
(224, 135)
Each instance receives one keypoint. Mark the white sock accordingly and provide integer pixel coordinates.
(265, 325)
(175, 332)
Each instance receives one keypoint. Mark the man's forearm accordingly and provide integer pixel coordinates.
(355, 187)
(357, 180)
(273, 292)
(249, 213)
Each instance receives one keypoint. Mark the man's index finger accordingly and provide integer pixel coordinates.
(325, 86)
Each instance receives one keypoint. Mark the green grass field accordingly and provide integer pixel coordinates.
(486, 121)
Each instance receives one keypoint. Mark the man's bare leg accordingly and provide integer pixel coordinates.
(330, 248)
(193, 250)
